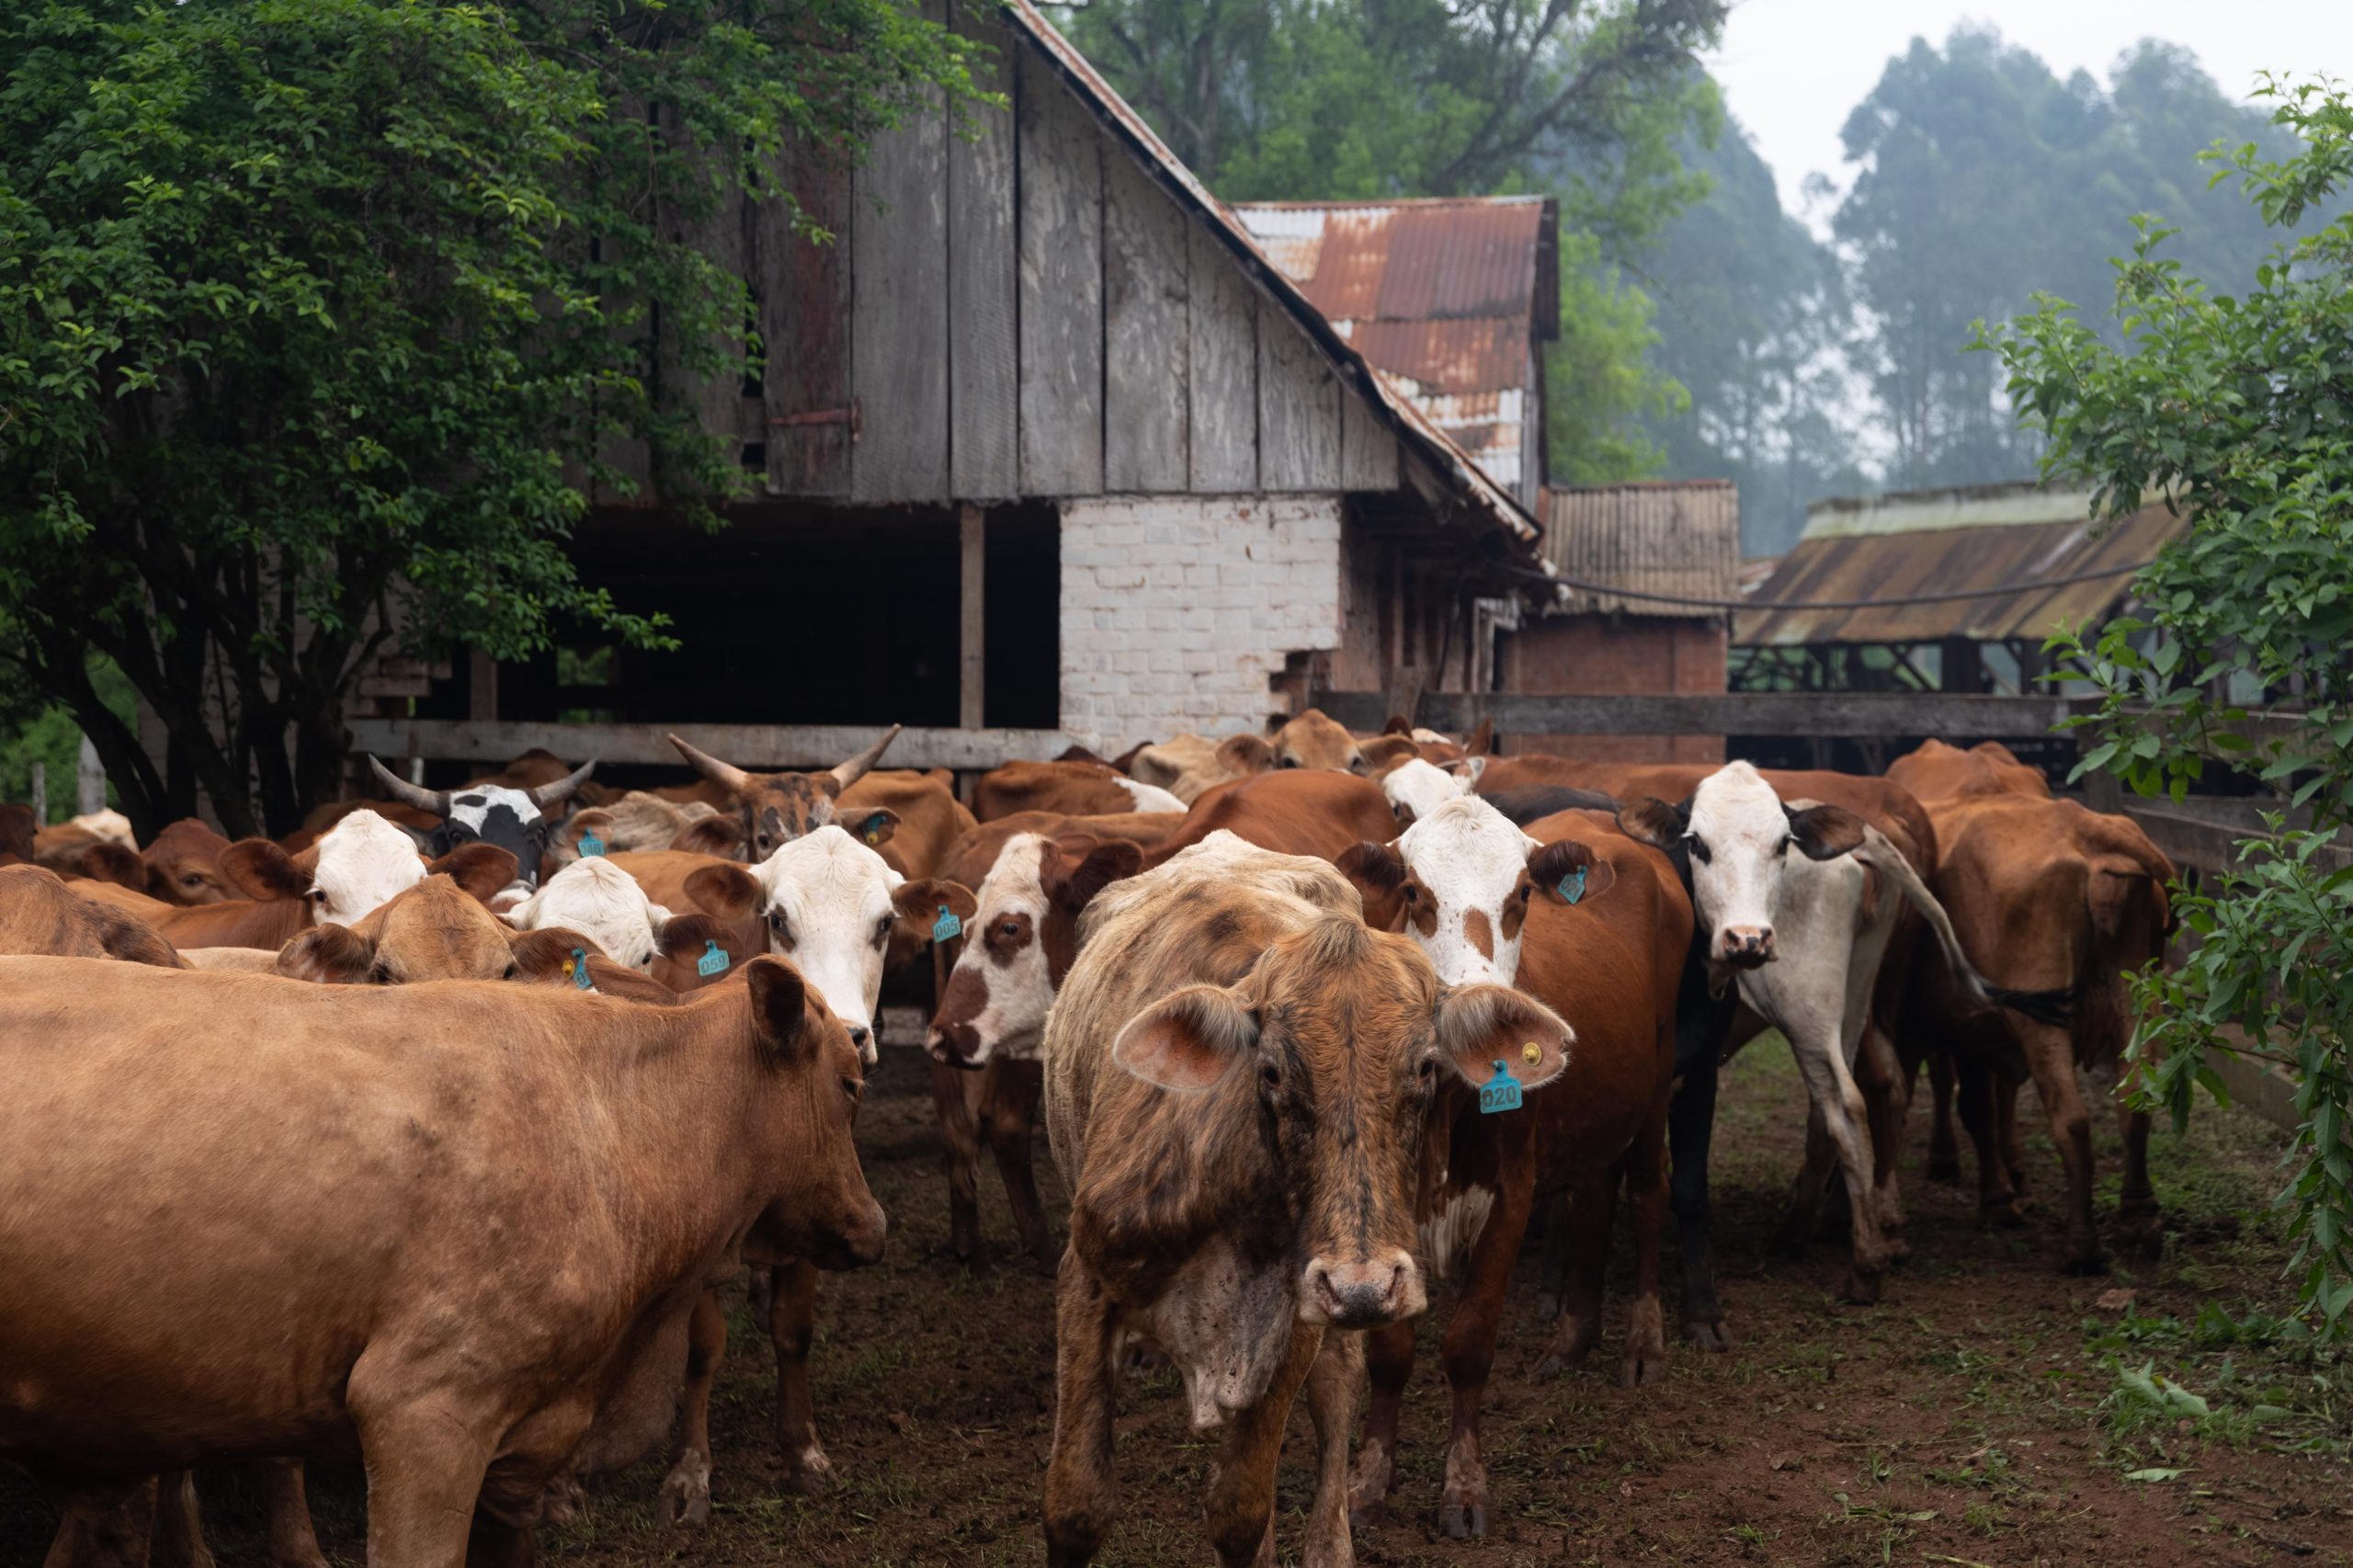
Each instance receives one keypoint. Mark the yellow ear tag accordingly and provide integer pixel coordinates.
(1532, 1053)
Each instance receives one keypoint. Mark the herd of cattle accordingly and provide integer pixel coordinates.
(1313, 1018)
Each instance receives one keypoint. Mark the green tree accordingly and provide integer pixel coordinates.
(2237, 408)
(316, 315)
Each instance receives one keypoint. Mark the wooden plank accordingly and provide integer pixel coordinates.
(1299, 408)
(805, 326)
(1368, 447)
(1222, 359)
(1060, 306)
(747, 746)
(1147, 400)
(973, 622)
(898, 333)
(983, 272)
(482, 686)
(715, 397)
(1857, 713)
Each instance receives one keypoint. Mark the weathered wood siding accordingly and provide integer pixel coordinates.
(1027, 311)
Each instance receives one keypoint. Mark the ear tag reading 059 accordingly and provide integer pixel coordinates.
(712, 962)
(591, 845)
(946, 929)
(1501, 1093)
(1571, 886)
(578, 970)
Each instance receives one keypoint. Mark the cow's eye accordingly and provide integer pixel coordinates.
(319, 896)
(854, 1089)
(882, 932)
(1288, 761)
(1782, 847)
(191, 881)
(1412, 893)
(1271, 1075)
(512, 970)
(1699, 850)
(1008, 929)
(1526, 892)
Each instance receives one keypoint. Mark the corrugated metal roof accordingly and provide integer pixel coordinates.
(1426, 445)
(1447, 295)
(1675, 537)
(2020, 539)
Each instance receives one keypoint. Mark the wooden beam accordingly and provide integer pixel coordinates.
(481, 687)
(747, 746)
(1844, 713)
(974, 681)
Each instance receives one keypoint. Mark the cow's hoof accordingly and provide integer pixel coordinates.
(1463, 1521)
(2001, 1216)
(2086, 1264)
(1369, 1481)
(562, 1501)
(810, 1472)
(1642, 1368)
(1862, 1288)
(686, 1494)
(1945, 1168)
(1708, 1336)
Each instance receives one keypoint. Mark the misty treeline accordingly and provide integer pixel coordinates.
(1707, 330)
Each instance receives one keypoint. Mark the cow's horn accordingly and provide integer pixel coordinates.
(710, 767)
(408, 794)
(851, 772)
(555, 794)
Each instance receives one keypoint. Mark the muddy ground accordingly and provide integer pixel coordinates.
(1989, 1412)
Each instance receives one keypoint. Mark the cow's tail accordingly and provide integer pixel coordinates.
(2055, 1006)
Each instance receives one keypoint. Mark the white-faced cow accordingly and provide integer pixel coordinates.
(515, 820)
(1238, 1073)
(599, 898)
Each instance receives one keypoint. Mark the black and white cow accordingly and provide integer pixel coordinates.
(517, 820)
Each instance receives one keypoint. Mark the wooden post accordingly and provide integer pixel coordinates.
(482, 687)
(41, 794)
(89, 781)
(974, 685)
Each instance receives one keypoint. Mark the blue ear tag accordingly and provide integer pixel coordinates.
(712, 962)
(946, 929)
(1500, 1093)
(578, 970)
(1571, 886)
(872, 832)
(591, 845)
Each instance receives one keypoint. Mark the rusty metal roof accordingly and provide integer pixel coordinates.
(2024, 539)
(1460, 481)
(1679, 538)
(1448, 296)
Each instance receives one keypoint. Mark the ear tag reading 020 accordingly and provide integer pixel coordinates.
(1571, 886)
(1501, 1093)
(712, 962)
(946, 929)
(578, 968)
(591, 845)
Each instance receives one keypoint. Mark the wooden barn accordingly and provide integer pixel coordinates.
(1049, 450)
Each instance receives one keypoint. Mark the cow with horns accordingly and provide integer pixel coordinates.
(513, 820)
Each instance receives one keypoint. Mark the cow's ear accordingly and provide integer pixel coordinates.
(718, 836)
(729, 892)
(581, 823)
(919, 902)
(109, 862)
(872, 827)
(480, 868)
(1379, 872)
(126, 936)
(1083, 866)
(613, 978)
(540, 955)
(1568, 872)
(1653, 822)
(1479, 1026)
(1245, 753)
(1384, 752)
(1186, 1040)
(329, 955)
(686, 940)
(1825, 833)
(260, 869)
(1473, 767)
(780, 1010)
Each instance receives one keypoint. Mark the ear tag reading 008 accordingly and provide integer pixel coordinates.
(946, 929)
(578, 970)
(1571, 886)
(1501, 1093)
(712, 962)
(591, 845)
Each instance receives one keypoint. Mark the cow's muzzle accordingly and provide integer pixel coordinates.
(954, 1044)
(1746, 947)
(1366, 1294)
(857, 1243)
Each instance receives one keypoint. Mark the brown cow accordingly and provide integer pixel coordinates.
(911, 817)
(40, 915)
(183, 864)
(1237, 1076)
(996, 980)
(18, 827)
(461, 1281)
(1189, 766)
(1072, 788)
(77, 850)
(2045, 894)
(1940, 772)
(1597, 927)
(1319, 813)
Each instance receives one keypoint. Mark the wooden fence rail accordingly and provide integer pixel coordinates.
(1855, 714)
(747, 746)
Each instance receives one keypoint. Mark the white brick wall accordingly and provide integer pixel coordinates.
(1177, 610)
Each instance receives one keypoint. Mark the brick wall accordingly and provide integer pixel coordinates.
(1177, 611)
(1618, 654)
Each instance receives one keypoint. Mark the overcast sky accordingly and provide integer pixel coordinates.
(1792, 70)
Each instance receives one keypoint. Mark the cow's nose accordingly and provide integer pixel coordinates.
(955, 1044)
(1363, 1294)
(1748, 945)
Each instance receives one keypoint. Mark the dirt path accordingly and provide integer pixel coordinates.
(1979, 1416)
